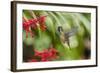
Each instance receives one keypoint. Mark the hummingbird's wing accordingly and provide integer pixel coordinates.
(67, 39)
(72, 32)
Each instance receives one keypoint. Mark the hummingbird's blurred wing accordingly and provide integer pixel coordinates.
(72, 32)
(67, 41)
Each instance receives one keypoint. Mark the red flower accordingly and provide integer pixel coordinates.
(32, 60)
(43, 27)
(32, 23)
(44, 60)
(42, 22)
(47, 55)
(53, 53)
(42, 19)
(37, 53)
(26, 27)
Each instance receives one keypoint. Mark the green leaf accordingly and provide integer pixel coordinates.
(63, 21)
(43, 42)
(27, 14)
(27, 40)
(49, 23)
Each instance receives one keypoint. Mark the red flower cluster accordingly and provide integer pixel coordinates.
(32, 23)
(46, 55)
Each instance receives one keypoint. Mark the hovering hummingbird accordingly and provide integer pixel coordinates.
(64, 36)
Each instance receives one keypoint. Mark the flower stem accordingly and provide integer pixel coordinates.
(24, 17)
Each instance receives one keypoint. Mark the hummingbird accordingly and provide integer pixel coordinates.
(64, 36)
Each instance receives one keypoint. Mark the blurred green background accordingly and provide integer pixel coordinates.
(79, 43)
